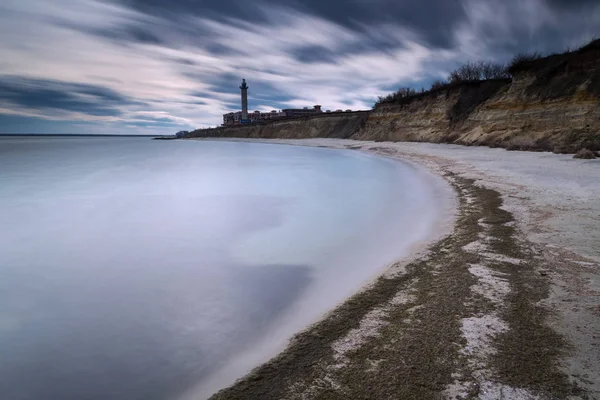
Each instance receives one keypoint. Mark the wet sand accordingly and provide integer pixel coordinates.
(506, 306)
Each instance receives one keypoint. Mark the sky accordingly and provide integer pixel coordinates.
(161, 66)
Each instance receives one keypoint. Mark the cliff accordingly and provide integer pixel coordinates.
(330, 125)
(552, 103)
(436, 116)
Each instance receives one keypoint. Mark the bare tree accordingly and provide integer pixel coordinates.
(404, 92)
(491, 70)
(466, 72)
(522, 58)
(477, 71)
(436, 85)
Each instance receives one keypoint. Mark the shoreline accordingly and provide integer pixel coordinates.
(437, 198)
(509, 276)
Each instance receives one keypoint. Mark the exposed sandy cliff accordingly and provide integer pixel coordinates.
(437, 116)
(551, 103)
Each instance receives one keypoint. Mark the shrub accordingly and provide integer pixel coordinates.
(585, 154)
(491, 70)
(520, 143)
(562, 150)
(594, 44)
(520, 60)
(402, 93)
(478, 71)
(466, 72)
(437, 85)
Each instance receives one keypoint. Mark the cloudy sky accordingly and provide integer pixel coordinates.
(159, 66)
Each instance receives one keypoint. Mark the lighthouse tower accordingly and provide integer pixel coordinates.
(244, 88)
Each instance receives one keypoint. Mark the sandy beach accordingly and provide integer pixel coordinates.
(506, 306)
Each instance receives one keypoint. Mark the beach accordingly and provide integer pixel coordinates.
(507, 305)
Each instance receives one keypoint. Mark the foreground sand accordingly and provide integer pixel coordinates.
(506, 307)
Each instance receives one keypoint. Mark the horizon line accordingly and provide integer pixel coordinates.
(78, 134)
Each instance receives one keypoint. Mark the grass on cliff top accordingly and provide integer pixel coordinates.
(534, 62)
(581, 64)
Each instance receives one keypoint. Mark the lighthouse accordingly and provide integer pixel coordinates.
(244, 89)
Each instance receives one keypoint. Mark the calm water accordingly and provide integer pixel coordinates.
(138, 269)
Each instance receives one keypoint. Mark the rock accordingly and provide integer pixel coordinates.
(585, 154)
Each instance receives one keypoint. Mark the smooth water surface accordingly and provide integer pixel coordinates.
(138, 269)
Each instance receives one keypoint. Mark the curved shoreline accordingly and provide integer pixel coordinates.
(460, 321)
(437, 224)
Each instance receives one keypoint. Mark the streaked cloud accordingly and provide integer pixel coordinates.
(156, 67)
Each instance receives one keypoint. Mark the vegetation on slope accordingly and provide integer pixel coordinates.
(577, 63)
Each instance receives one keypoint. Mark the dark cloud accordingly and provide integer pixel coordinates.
(571, 4)
(126, 34)
(167, 23)
(202, 95)
(39, 94)
(184, 61)
(212, 9)
(227, 83)
(139, 32)
(309, 54)
(431, 18)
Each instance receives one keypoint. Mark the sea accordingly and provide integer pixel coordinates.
(140, 269)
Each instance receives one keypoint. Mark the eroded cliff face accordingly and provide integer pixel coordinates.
(432, 117)
(512, 117)
(334, 125)
(524, 117)
(550, 104)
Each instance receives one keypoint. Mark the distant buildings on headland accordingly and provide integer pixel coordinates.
(244, 117)
(235, 118)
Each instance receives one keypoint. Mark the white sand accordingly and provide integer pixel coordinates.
(555, 200)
